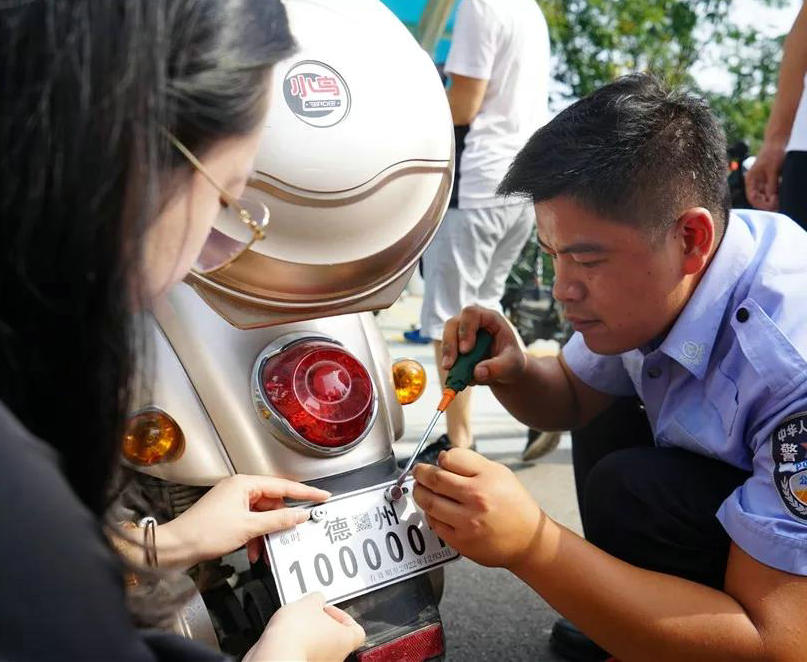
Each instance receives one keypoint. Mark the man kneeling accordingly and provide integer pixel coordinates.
(697, 531)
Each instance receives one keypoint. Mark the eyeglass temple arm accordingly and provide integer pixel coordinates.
(196, 163)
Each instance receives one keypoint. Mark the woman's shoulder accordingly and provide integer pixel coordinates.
(16, 443)
(64, 574)
(34, 489)
(64, 598)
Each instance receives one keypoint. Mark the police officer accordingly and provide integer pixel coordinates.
(696, 525)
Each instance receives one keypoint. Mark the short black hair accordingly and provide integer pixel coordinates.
(634, 151)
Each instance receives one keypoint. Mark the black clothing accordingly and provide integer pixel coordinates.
(793, 189)
(571, 644)
(460, 133)
(651, 507)
(61, 586)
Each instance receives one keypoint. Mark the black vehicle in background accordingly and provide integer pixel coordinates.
(737, 154)
(528, 302)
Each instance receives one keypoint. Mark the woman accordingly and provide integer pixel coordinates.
(124, 126)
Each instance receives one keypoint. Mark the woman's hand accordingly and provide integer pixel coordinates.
(308, 630)
(236, 512)
(478, 507)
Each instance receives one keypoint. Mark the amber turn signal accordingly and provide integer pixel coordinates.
(152, 437)
(410, 380)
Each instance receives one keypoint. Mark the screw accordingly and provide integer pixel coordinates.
(318, 514)
(393, 493)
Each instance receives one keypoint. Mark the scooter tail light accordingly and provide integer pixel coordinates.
(322, 391)
(423, 644)
(152, 437)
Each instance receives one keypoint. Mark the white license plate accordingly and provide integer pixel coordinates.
(360, 544)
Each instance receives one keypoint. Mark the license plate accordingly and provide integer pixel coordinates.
(361, 543)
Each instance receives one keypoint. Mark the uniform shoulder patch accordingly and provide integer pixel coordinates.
(789, 451)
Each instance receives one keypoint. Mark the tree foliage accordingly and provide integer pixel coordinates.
(595, 41)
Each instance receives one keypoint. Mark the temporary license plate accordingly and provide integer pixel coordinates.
(360, 543)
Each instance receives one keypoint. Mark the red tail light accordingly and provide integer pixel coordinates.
(423, 644)
(322, 391)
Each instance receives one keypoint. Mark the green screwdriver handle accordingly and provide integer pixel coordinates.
(462, 372)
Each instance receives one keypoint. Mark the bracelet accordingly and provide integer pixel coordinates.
(149, 526)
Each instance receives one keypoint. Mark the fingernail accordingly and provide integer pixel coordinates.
(302, 515)
(482, 373)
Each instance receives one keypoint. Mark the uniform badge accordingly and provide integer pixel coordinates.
(789, 450)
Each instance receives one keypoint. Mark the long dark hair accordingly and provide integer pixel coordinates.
(87, 87)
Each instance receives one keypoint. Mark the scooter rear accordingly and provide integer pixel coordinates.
(273, 366)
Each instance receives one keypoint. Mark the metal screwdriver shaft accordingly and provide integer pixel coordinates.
(459, 377)
(419, 447)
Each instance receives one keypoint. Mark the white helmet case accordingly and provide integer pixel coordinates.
(355, 166)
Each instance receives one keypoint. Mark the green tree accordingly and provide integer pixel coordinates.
(595, 41)
(752, 64)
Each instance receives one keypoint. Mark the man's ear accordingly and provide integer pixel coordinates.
(696, 234)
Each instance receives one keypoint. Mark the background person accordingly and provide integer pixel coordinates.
(499, 70)
(778, 179)
(99, 215)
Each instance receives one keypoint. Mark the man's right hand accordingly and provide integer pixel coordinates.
(508, 361)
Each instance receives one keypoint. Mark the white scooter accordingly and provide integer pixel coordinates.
(273, 366)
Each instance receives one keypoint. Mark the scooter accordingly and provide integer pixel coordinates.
(274, 365)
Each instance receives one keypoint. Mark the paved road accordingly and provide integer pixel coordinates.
(487, 613)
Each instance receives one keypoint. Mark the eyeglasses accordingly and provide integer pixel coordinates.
(238, 226)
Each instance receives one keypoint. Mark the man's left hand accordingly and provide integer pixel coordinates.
(478, 507)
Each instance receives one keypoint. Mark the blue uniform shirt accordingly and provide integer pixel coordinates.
(729, 381)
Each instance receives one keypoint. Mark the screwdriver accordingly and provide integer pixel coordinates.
(459, 377)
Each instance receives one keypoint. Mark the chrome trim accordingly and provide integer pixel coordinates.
(258, 279)
(277, 422)
(341, 197)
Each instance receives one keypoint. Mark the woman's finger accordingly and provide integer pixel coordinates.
(339, 615)
(268, 503)
(267, 486)
(254, 549)
(278, 520)
(343, 618)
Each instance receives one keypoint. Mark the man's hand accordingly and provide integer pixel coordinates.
(507, 363)
(762, 180)
(478, 507)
